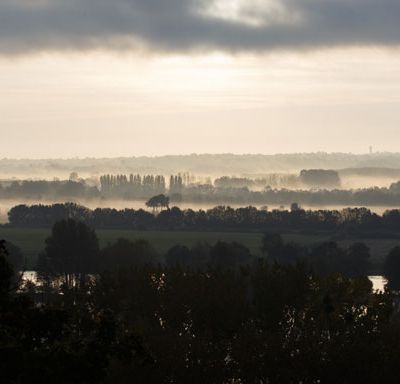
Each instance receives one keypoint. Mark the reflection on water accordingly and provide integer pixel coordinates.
(30, 276)
(378, 282)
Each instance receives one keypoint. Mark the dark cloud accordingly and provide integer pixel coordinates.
(179, 25)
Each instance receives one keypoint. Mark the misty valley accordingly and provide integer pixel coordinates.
(372, 185)
(166, 278)
(199, 192)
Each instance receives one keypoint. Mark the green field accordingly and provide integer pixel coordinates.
(31, 241)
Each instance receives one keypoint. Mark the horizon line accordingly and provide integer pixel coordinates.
(194, 154)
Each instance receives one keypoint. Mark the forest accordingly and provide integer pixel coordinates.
(206, 314)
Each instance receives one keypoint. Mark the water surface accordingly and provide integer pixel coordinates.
(378, 282)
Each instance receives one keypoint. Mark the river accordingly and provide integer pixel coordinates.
(378, 282)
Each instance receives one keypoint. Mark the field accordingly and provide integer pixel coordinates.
(31, 241)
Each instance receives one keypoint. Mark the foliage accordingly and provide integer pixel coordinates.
(325, 258)
(391, 268)
(312, 187)
(159, 201)
(202, 256)
(14, 256)
(125, 254)
(6, 272)
(221, 218)
(261, 324)
(51, 190)
(57, 343)
(318, 178)
(71, 251)
(223, 323)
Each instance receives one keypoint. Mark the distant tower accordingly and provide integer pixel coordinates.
(371, 150)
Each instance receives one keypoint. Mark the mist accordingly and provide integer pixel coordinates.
(199, 191)
(375, 165)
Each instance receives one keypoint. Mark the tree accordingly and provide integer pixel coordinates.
(284, 254)
(14, 256)
(71, 251)
(320, 178)
(295, 207)
(178, 255)
(200, 255)
(229, 255)
(391, 268)
(357, 260)
(74, 176)
(272, 244)
(58, 343)
(6, 272)
(125, 253)
(159, 201)
(328, 258)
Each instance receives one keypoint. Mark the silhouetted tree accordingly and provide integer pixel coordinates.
(391, 269)
(60, 342)
(71, 252)
(272, 244)
(200, 255)
(284, 254)
(178, 255)
(6, 272)
(357, 260)
(158, 202)
(14, 256)
(125, 254)
(327, 258)
(229, 255)
(294, 207)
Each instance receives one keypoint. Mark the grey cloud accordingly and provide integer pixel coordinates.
(177, 25)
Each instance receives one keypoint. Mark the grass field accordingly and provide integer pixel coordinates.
(31, 241)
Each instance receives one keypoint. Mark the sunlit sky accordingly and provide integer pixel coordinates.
(115, 99)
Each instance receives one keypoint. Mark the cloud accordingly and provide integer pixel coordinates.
(29, 26)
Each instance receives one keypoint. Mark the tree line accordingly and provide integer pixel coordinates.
(224, 190)
(134, 186)
(274, 180)
(282, 196)
(52, 190)
(221, 218)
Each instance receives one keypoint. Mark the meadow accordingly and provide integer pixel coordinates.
(32, 240)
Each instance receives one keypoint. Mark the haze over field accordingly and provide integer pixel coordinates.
(251, 89)
(378, 165)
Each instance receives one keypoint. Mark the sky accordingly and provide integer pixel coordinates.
(106, 78)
